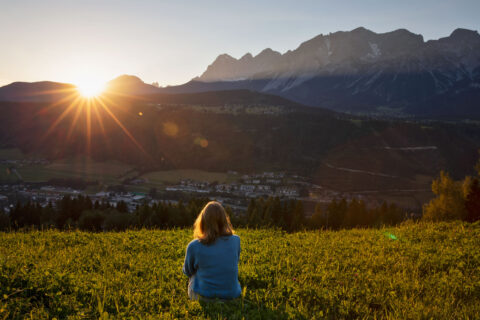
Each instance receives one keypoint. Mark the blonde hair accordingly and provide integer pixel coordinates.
(212, 222)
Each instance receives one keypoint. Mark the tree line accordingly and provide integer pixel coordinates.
(343, 214)
(83, 213)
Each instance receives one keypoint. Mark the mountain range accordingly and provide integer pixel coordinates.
(360, 71)
(393, 74)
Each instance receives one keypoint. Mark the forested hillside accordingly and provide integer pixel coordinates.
(340, 152)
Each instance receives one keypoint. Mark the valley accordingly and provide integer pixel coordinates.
(346, 156)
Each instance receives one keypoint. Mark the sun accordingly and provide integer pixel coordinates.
(90, 88)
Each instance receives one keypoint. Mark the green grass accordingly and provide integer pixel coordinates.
(431, 271)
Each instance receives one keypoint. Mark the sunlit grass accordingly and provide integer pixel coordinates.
(426, 271)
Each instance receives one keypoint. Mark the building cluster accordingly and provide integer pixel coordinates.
(266, 184)
(131, 199)
(236, 193)
(45, 195)
(10, 194)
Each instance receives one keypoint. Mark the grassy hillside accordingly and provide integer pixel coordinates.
(412, 271)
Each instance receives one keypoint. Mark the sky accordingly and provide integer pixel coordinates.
(173, 41)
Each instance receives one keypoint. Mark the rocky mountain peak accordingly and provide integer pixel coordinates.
(351, 70)
(246, 57)
(224, 58)
(268, 53)
(342, 48)
(464, 34)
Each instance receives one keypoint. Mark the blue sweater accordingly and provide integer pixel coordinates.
(215, 267)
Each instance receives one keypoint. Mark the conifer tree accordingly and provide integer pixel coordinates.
(472, 202)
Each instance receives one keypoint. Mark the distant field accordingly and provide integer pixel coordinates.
(110, 172)
(414, 271)
(11, 154)
(6, 175)
(174, 176)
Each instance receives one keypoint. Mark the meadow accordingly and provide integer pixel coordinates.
(105, 172)
(80, 167)
(413, 271)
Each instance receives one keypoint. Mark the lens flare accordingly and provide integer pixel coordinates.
(390, 236)
(170, 128)
(202, 142)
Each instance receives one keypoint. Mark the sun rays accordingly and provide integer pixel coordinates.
(86, 108)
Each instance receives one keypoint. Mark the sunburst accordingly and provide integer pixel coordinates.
(90, 88)
(86, 101)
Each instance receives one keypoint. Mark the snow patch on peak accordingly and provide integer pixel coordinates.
(298, 81)
(375, 50)
(327, 43)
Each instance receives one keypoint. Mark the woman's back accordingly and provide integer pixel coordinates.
(214, 267)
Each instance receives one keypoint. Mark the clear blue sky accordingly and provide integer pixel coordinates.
(173, 41)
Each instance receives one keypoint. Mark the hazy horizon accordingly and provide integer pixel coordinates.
(171, 43)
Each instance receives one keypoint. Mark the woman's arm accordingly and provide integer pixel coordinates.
(239, 248)
(189, 263)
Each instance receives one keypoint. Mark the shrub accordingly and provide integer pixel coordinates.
(118, 221)
(91, 220)
(4, 221)
(449, 203)
(472, 202)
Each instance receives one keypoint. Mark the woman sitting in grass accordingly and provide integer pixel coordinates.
(211, 261)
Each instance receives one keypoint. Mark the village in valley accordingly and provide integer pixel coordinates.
(235, 193)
